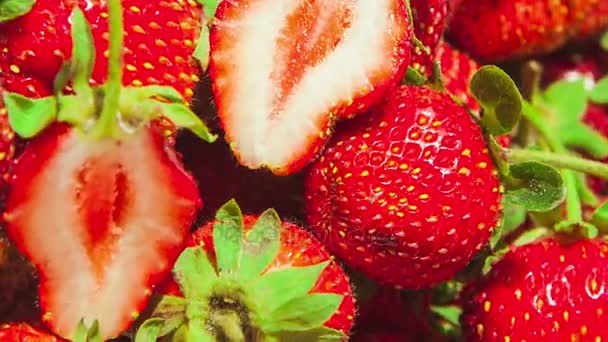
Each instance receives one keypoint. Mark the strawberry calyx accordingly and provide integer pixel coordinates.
(231, 295)
(13, 9)
(106, 111)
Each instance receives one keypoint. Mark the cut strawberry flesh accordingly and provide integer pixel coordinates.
(103, 220)
(283, 71)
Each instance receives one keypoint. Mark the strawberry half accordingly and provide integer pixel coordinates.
(98, 201)
(545, 291)
(283, 73)
(258, 278)
(23, 332)
(397, 193)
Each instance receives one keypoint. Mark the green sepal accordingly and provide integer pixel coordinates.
(499, 97)
(585, 192)
(320, 334)
(491, 260)
(203, 48)
(13, 9)
(599, 93)
(83, 53)
(276, 288)
(531, 236)
(261, 245)
(449, 313)
(209, 7)
(75, 111)
(28, 116)
(194, 272)
(169, 313)
(182, 116)
(535, 186)
(413, 77)
(228, 238)
(87, 334)
(150, 330)
(600, 218)
(585, 229)
(604, 41)
(196, 332)
(168, 93)
(302, 313)
(62, 79)
(567, 102)
(513, 217)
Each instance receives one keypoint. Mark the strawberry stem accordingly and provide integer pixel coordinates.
(560, 161)
(107, 120)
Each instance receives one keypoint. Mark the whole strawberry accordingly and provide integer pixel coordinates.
(161, 39)
(429, 24)
(23, 332)
(545, 291)
(498, 30)
(246, 276)
(457, 69)
(399, 194)
(283, 74)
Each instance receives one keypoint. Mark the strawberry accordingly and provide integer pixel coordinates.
(253, 268)
(498, 30)
(283, 74)
(548, 290)
(429, 24)
(397, 193)
(457, 69)
(161, 38)
(99, 201)
(23, 332)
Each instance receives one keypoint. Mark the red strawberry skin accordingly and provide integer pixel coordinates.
(498, 30)
(160, 40)
(429, 25)
(457, 69)
(397, 193)
(545, 291)
(298, 248)
(84, 212)
(254, 99)
(23, 332)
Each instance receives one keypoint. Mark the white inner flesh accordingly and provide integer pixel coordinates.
(341, 75)
(52, 216)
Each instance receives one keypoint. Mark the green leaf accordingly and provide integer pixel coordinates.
(274, 289)
(599, 93)
(13, 9)
(27, 116)
(303, 313)
(228, 237)
(194, 272)
(203, 48)
(182, 116)
(585, 192)
(513, 217)
(210, 7)
(600, 218)
(450, 313)
(320, 334)
(530, 236)
(499, 97)
(566, 99)
(87, 334)
(535, 186)
(83, 52)
(261, 245)
(149, 331)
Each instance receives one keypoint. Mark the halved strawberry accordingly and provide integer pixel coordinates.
(283, 72)
(83, 211)
(23, 332)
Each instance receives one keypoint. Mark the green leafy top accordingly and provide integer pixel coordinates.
(235, 295)
(13, 9)
(28, 116)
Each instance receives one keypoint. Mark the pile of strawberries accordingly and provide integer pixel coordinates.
(300, 170)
